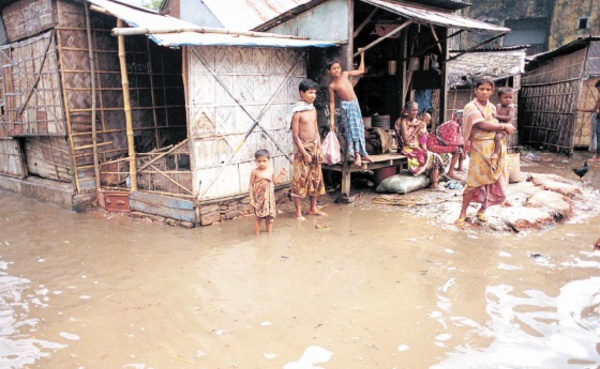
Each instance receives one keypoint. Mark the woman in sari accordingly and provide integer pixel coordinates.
(485, 185)
(411, 134)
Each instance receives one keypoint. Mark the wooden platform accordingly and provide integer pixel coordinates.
(379, 161)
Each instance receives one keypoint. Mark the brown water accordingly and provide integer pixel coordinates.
(369, 289)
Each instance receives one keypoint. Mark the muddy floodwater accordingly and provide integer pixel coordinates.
(361, 289)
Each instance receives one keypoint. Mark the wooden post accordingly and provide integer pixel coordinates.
(444, 69)
(93, 79)
(67, 110)
(403, 68)
(127, 109)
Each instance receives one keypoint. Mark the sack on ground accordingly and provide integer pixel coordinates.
(331, 149)
(377, 140)
(403, 183)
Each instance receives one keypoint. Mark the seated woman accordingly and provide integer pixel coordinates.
(409, 130)
(448, 139)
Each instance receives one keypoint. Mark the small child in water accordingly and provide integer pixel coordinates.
(262, 190)
(505, 113)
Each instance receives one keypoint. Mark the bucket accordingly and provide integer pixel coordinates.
(383, 173)
(514, 167)
(381, 121)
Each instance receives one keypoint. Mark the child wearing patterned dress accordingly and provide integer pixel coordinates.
(262, 190)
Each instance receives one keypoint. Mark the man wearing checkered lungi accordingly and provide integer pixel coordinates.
(351, 116)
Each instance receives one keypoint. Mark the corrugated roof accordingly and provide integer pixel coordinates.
(434, 16)
(142, 19)
(247, 14)
(565, 49)
(467, 68)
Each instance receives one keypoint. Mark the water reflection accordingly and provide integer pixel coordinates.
(534, 330)
(17, 345)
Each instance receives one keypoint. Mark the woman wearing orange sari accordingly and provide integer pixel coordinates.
(484, 184)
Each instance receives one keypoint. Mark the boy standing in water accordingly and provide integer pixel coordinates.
(262, 190)
(505, 113)
(351, 115)
(307, 177)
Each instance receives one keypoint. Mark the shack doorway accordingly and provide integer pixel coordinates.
(403, 61)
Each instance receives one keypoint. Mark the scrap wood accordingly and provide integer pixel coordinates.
(402, 201)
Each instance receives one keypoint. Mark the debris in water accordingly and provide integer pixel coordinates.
(535, 256)
(265, 323)
(597, 245)
(403, 348)
(322, 226)
(270, 356)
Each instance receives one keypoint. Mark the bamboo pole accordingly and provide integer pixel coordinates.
(127, 109)
(152, 95)
(132, 31)
(153, 160)
(67, 112)
(93, 81)
(171, 179)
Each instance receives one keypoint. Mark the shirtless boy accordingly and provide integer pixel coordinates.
(307, 177)
(505, 113)
(351, 115)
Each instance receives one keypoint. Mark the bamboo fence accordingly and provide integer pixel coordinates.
(548, 101)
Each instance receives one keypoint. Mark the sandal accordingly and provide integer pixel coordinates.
(482, 217)
(460, 222)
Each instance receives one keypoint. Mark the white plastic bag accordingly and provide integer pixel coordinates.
(331, 149)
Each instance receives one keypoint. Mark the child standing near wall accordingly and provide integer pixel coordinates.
(505, 113)
(262, 190)
(307, 178)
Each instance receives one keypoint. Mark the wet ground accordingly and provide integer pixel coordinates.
(363, 288)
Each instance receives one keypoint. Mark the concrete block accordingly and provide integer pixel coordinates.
(210, 218)
(205, 209)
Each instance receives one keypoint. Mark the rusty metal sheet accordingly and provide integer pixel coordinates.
(28, 17)
(438, 17)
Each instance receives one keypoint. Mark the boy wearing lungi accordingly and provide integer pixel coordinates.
(351, 115)
(307, 176)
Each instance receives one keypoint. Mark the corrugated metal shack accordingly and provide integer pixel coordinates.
(177, 118)
(556, 84)
(503, 65)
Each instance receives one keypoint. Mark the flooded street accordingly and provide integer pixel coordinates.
(361, 289)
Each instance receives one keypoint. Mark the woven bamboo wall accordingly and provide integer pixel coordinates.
(255, 77)
(156, 87)
(49, 157)
(548, 100)
(31, 88)
(12, 162)
(583, 126)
